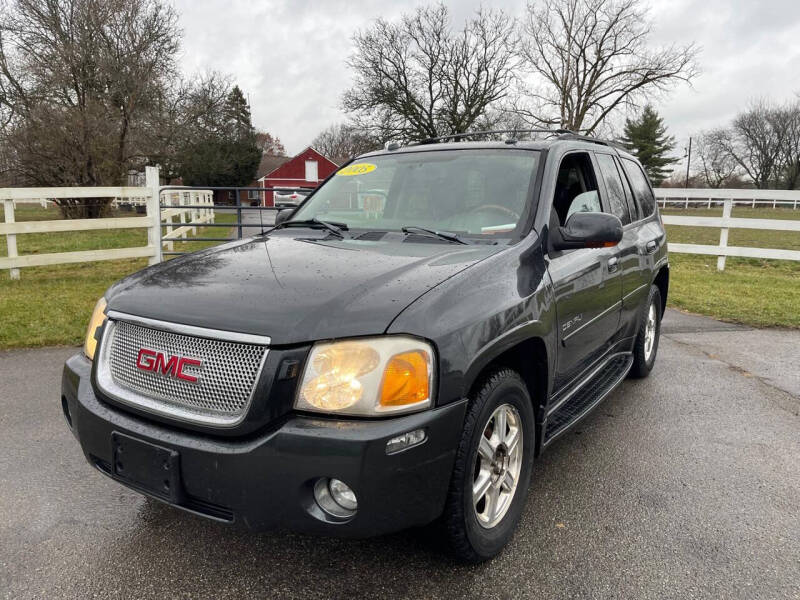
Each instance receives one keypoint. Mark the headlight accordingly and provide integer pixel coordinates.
(371, 376)
(98, 318)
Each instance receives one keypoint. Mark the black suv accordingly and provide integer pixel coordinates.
(378, 361)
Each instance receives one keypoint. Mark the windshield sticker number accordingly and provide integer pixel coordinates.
(357, 169)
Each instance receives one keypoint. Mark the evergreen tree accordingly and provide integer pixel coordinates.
(237, 115)
(647, 138)
(227, 153)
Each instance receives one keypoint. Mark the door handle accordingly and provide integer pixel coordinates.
(651, 246)
(613, 264)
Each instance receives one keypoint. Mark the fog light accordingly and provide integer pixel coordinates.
(335, 497)
(343, 495)
(405, 441)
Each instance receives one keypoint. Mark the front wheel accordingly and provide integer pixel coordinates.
(646, 345)
(492, 468)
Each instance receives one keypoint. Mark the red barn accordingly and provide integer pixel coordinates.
(306, 170)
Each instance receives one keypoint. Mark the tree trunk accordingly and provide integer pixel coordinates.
(84, 208)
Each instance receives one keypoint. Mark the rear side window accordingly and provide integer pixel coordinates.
(628, 193)
(616, 193)
(641, 188)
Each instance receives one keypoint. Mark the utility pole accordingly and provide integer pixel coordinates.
(688, 162)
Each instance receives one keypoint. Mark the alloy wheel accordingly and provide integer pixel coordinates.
(497, 465)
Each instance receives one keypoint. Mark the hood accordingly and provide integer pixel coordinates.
(293, 289)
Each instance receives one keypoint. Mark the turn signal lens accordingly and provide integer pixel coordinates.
(97, 320)
(405, 379)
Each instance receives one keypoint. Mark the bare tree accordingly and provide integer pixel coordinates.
(756, 141)
(717, 168)
(419, 78)
(340, 142)
(78, 81)
(588, 58)
(788, 118)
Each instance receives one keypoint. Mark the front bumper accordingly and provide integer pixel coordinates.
(266, 480)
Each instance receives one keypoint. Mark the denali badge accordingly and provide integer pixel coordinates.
(172, 366)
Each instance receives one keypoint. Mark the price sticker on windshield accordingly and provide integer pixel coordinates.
(357, 169)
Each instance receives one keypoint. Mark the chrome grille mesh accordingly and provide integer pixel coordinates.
(225, 379)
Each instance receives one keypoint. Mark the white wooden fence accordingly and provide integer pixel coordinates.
(188, 219)
(685, 198)
(706, 198)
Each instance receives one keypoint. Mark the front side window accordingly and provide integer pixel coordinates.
(467, 192)
(616, 193)
(641, 188)
(576, 188)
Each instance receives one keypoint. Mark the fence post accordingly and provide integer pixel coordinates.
(182, 216)
(168, 220)
(154, 212)
(193, 217)
(11, 238)
(239, 212)
(723, 236)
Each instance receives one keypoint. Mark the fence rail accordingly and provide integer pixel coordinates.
(703, 197)
(727, 198)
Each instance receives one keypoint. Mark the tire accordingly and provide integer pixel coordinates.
(477, 537)
(644, 351)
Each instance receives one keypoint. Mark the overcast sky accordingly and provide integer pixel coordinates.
(289, 56)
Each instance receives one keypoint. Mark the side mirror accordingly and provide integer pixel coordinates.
(283, 215)
(588, 230)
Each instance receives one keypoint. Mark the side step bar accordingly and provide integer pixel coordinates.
(587, 396)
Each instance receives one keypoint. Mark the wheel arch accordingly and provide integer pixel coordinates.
(661, 281)
(529, 358)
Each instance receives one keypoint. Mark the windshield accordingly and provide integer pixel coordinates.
(469, 192)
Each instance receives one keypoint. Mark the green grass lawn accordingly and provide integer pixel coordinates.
(51, 305)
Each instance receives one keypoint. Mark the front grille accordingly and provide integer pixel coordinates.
(222, 385)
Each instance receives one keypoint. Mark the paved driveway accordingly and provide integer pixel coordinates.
(684, 485)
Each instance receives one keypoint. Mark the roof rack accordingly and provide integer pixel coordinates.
(452, 136)
(585, 138)
(563, 134)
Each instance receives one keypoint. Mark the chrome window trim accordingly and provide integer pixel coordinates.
(110, 388)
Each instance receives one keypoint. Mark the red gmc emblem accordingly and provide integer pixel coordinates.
(170, 366)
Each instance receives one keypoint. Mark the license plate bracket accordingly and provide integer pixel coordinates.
(151, 468)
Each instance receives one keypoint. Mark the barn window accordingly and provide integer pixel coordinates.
(312, 173)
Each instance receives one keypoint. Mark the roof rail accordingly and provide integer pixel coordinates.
(585, 138)
(441, 138)
(563, 134)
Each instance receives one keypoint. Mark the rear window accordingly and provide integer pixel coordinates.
(642, 192)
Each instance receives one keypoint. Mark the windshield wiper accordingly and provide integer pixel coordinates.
(442, 235)
(333, 227)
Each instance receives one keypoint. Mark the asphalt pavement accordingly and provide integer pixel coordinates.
(682, 485)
